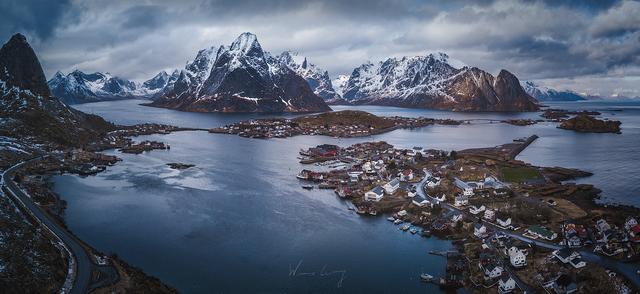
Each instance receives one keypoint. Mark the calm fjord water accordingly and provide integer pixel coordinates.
(239, 222)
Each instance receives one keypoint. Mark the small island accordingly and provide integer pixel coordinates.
(341, 124)
(176, 165)
(559, 115)
(585, 123)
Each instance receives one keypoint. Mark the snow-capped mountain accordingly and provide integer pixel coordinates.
(340, 83)
(435, 81)
(240, 78)
(27, 107)
(543, 93)
(79, 87)
(317, 78)
(157, 84)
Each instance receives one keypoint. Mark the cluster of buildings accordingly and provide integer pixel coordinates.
(262, 128)
(379, 178)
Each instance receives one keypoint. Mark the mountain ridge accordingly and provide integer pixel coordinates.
(435, 81)
(241, 77)
(27, 107)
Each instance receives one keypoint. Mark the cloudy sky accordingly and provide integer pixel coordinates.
(591, 47)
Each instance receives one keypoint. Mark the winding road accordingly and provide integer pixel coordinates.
(82, 281)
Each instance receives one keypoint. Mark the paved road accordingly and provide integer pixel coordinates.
(83, 268)
(629, 270)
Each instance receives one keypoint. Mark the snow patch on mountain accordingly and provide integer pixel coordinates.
(79, 87)
(543, 93)
(241, 77)
(340, 84)
(317, 78)
(400, 77)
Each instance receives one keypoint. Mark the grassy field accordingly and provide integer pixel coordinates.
(520, 174)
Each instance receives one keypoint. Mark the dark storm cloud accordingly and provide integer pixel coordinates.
(579, 42)
(144, 16)
(33, 17)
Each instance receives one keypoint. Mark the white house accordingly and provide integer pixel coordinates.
(602, 225)
(374, 194)
(573, 240)
(456, 217)
(406, 175)
(479, 230)
(402, 213)
(489, 214)
(442, 198)
(421, 203)
(433, 182)
(475, 209)
(630, 223)
(504, 223)
(578, 262)
(492, 271)
(461, 200)
(367, 167)
(391, 186)
(506, 284)
(565, 255)
(517, 257)
(467, 190)
(411, 194)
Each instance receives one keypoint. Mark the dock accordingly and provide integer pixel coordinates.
(522, 146)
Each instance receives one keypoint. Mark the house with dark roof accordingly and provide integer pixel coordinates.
(374, 194)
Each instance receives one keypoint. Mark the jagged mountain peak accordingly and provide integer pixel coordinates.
(25, 99)
(243, 78)
(435, 80)
(20, 67)
(246, 44)
(317, 78)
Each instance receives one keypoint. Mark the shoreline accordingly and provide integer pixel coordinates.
(188, 129)
(403, 207)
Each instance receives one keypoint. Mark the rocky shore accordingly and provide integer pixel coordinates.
(585, 123)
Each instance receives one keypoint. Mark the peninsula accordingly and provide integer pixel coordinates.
(502, 213)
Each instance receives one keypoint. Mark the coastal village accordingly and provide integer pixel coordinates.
(342, 124)
(515, 227)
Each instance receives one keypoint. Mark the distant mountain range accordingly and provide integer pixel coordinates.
(434, 81)
(543, 93)
(79, 87)
(242, 78)
(27, 107)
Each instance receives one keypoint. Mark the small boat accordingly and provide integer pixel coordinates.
(405, 228)
(373, 212)
(391, 219)
(426, 277)
(398, 221)
(426, 233)
(308, 187)
(413, 231)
